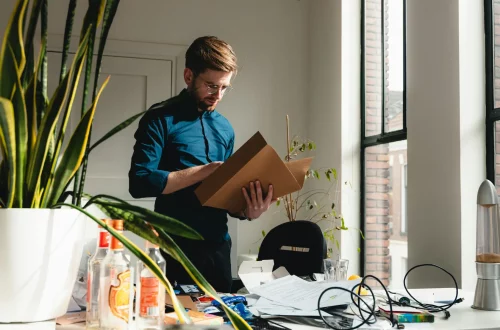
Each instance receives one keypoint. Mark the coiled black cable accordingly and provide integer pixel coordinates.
(371, 319)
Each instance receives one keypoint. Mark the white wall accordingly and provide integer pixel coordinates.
(269, 38)
(472, 128)
(446, 152)
(334, 103)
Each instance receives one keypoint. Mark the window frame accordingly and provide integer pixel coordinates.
(492, 113)
(384, 137)
(404, 198)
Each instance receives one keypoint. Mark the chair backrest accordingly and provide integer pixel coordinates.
(299, 246)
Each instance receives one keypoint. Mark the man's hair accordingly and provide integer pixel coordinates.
(210, 53)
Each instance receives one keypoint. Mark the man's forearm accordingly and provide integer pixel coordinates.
(178, 180)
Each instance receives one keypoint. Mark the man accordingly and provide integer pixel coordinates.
(179, 143)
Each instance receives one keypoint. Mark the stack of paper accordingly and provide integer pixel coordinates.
(287, 295)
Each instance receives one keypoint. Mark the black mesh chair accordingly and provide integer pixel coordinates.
(299, 246)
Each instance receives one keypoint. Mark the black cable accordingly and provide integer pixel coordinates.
(355, 295)
(431, 308)
(371, 319)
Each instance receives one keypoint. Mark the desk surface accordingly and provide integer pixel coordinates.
(463, 317)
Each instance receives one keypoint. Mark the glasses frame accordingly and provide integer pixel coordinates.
(213, 89)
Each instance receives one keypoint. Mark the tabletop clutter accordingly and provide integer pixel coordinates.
(269, 294)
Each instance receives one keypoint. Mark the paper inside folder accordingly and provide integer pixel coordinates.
(254, 160)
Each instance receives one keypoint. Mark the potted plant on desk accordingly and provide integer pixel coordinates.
(41, 234)
(318, 205)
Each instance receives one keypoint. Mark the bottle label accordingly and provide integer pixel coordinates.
(88, 288)
(116, 244)
(119, 296)
(103, 239)
(149, 297)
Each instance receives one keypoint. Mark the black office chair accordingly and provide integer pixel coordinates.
(299, 246)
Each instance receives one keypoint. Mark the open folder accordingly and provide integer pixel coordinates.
(254, 160)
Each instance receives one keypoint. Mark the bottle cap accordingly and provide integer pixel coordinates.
(118, 224)
(108, 222)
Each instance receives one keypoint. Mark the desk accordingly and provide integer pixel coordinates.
(463, 317)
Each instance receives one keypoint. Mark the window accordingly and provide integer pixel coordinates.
(492, 44)
(383, 136)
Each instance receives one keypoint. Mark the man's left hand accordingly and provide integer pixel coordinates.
(256, 204)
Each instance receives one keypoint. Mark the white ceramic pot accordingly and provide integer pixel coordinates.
(40, 251)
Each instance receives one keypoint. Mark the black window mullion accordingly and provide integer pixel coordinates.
(382, 40)
(363, 135)
(404, 65)
(492, 114)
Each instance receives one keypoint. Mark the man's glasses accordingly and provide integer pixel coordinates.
(213, 89)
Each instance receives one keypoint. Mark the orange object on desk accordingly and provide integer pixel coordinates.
(199, 318)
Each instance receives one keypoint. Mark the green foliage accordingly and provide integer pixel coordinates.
(318, 205)
(34, 170)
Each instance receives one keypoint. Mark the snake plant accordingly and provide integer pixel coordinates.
(35, 171)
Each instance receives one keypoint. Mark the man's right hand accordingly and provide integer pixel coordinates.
(184, 178)
(211, 167)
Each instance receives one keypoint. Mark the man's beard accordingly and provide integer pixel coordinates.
(200, 103)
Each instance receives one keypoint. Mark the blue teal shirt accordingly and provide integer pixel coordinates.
(172, 136)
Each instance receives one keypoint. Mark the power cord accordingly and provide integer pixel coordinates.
(372, 317)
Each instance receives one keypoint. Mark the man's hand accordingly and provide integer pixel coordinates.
(178, 180)
(210, 168)
(256, 205)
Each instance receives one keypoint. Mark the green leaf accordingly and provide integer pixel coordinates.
(361, 233)
(342, 226)
(52, 162)
(70, 17)
(73, 155)
(92, 17)
(359, 250)
(4, 179)
(43, 31)
(170, 225)
(144, 258)
(337, 244)
(334, 171)
(30, 97)
(108, 12)
(327, 173)
(263, 233)
(315, 174)
(12, 61)
(278, 202)
(28, 43)
(117, 129)
(48, 124)
(21, 137)
(8, 143)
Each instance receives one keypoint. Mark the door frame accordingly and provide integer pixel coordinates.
(134, 49)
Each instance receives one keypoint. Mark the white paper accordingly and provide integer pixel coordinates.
(297, 293)
(280, 272)
(255, 273)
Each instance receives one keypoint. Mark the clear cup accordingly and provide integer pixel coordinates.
(329, 269)
(335, 269)
(341, 266)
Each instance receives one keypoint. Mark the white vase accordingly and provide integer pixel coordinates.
(40, 251)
